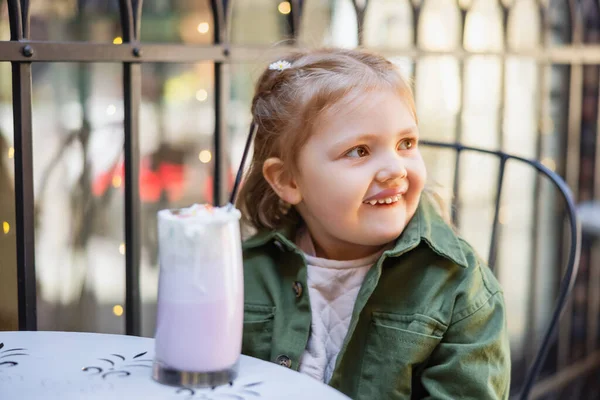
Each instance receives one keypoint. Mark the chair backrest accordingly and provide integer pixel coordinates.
(574, 232)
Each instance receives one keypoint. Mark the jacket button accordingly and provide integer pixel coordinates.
(284, 361)
(297, 288)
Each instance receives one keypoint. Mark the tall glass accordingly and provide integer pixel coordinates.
(200, 297)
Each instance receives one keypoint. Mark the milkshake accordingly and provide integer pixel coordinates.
(200, 296)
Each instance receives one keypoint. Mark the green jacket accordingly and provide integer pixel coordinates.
(429, 320)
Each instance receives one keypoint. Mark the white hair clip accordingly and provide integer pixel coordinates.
(280, 65)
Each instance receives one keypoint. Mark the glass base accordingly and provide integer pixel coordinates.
(173, 377)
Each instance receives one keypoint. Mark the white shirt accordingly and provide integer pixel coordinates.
(332, 288)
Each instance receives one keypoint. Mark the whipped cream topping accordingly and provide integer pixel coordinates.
(202, 213)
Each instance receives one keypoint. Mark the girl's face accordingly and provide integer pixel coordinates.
(360, 176)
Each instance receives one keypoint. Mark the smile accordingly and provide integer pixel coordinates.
(387, 200)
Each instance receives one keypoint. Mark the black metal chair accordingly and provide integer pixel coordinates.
(574, 232)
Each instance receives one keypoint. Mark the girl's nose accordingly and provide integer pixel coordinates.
(392, 170)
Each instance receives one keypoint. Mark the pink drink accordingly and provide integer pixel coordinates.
(216, 347)
(200, 296)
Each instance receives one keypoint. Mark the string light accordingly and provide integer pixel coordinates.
(201, 95)
(203, 27)
(118, 310)
(205, 156)
(116, 181)
(284, 7)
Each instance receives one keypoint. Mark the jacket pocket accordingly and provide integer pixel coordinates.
(396, 346)
(258, 330)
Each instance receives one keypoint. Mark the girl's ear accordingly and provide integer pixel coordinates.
(281, 181)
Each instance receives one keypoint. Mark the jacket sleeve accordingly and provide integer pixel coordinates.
(473, 359)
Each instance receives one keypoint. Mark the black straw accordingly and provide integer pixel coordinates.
(238, 177)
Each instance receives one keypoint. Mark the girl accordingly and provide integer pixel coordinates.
(353, 276)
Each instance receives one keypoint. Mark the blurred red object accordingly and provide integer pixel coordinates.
(172, 177)
(168, 177)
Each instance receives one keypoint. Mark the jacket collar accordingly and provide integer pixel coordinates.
(284, 236)
(426, 226)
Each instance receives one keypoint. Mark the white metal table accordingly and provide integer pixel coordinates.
(68, 365)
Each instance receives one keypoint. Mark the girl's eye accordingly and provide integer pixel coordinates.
(406, 144)
(357, 152)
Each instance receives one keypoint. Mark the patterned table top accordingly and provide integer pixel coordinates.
(68, 365)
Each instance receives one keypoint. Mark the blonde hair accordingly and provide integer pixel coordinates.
(286, 106)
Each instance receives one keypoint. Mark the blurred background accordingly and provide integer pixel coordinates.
(494, 74)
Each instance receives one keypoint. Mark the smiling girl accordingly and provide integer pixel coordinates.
(353, 276)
